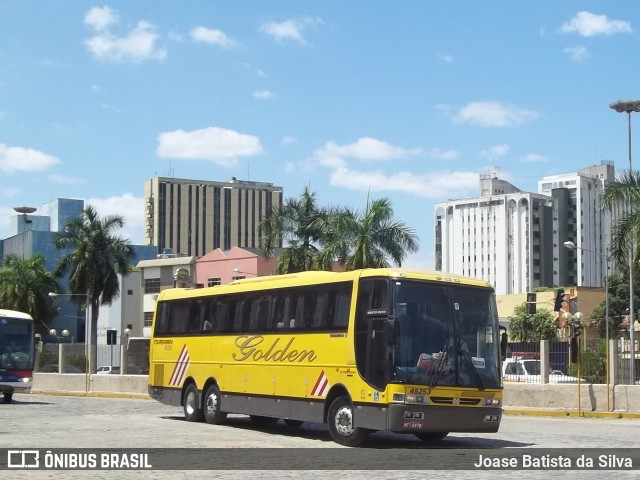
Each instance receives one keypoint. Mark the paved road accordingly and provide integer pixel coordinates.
(42, 421)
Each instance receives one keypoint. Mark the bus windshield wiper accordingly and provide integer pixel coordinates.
(438, 368)
(476, 375)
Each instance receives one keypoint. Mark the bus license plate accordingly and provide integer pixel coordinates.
(412, 424)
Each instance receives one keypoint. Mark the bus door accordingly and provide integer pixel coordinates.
(372, 332)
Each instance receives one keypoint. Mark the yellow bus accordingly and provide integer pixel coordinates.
(376, 349)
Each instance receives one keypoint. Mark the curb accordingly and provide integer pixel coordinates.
(569, 413)
(57, 393)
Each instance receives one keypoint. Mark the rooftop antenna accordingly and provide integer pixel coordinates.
(25, 211)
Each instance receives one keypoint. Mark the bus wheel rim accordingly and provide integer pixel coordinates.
(344, 421)
(212, 403)
(191, 403)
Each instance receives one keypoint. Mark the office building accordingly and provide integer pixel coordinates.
(515, 240)
(194, 217)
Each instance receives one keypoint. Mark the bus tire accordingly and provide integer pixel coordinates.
(341, 424)
(211, 406)
(8, 397)
(289, 422)
(431, 436)
(193, 411)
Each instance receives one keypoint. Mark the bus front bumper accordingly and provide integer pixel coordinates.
(407, 418)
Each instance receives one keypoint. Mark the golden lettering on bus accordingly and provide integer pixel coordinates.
(248, 347)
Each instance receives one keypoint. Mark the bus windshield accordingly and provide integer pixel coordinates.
(17, 350)
(445, 335)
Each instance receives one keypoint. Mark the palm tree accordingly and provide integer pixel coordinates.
(369, 239)
(97, 256)
(296, 225)
(625, 232)
(25, 285)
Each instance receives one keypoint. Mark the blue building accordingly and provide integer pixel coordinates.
(36, 234)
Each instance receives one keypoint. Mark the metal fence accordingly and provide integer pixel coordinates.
(72, 357)
(591, 364)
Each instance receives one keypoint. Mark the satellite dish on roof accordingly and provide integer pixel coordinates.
(25, 210)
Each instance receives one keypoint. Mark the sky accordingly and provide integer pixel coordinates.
(408, 100)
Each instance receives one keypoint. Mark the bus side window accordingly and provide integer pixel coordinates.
(162, 318)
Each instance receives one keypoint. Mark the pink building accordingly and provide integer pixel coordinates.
(220, 267)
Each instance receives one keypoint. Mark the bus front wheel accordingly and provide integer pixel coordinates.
(212, 402)
(342, 426)
(8, 397)
(191, 404)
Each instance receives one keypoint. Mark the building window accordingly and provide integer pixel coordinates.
(148, 319)
(151, 285)
(213, 281)
(238, 278)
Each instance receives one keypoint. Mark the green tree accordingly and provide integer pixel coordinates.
(369, 239)
(298, 226)
(25, 285)
(625, 231)
(618, 304)
(97, 255)
(525, 327)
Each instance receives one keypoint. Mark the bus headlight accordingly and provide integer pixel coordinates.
(398, 397)
(492, 402)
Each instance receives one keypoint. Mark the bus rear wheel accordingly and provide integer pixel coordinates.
(211, 406)
(342, 426)
(431, 436)
(191, 404)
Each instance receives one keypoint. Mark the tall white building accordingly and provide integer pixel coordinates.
(579, 218)
(515, 240)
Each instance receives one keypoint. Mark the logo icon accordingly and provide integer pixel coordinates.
(23, 458)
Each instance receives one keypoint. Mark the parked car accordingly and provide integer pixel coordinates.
(53, 368)
(107, 370)
(527, 370)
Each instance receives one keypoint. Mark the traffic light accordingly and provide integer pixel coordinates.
(575, 331)
(531, 303)
(559, 299)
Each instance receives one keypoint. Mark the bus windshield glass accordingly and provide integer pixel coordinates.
(445, 335)
(17, 350)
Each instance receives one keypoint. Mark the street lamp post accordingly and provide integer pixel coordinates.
(87, 323)
(572, 246)
(628, 107)
(237, 270)
(577, 317)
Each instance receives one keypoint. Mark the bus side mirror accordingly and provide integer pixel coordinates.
(504, 338)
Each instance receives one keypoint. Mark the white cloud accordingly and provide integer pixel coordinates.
(129, 207)
(65, 179)
(494, 152)
(493, 114)
(442, 154)
(533, 158)
(220, 145)
(19, 159)
(288, 140)
(263, 94)
(589, 24)
(445, 57)
(100, 18)
(290, 29)
(367, 148)
(427, 185)
(577, 54)
(137, 45)
(213, 36)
